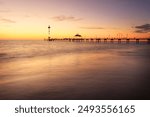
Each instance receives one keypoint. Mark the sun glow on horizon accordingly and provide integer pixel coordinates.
(90, 18)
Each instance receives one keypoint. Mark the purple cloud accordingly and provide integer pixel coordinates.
(66, 18)
(92, 27)
(143, 28)
(4, 20)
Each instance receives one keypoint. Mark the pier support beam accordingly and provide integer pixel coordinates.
(137, 41)
(119, 40)
(98, 40)
(87, 40)
(112, 40)
(105, 40)
(148, 41)
(92, 40)
(127, 40)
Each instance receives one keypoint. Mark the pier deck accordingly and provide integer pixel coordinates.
(105, 40)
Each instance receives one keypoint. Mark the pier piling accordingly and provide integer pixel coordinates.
(127, 40)
(119, 40)
(137, 41)
(112, 40)
(148, 41)
(105, 40)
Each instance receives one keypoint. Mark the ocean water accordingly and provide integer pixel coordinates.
(74, 70)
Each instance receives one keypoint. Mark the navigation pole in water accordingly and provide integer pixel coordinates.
(49, 38)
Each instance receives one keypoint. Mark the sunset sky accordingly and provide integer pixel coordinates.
(29, 19)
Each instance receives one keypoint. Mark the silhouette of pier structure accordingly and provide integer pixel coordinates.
(79, 38)
(102, 40)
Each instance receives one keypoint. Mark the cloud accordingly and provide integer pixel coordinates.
(93, 27)
(66, 18)
(142, 28)
(4, 20)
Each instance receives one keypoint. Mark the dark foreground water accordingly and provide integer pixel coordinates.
(73, 70)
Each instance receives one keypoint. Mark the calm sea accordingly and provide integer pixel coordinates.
(74, 70)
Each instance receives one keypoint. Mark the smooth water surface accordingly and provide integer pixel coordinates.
(74, 70)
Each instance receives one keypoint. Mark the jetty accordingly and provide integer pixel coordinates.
(104, 40)
(79, 38)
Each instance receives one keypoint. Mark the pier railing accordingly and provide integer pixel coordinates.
(105, 40)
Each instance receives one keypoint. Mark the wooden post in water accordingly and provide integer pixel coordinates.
(87, 40)
(99, 40)
(127, 40)
(137, 41)
(119, 40)
(112, 40)
(92, 39)
(148, 41)
(105, 40)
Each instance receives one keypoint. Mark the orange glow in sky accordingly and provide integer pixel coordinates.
(29, 19)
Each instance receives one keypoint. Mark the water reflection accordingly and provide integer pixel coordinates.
(108, 74)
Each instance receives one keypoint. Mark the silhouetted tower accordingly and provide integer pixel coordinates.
(49, 32)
